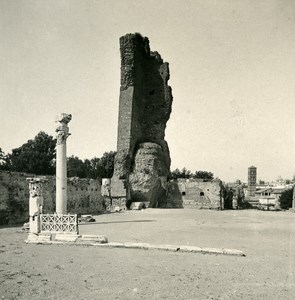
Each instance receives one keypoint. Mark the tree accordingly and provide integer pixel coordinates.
(36, 156)
(286, 199)
(204, 175)
(175, 174)
(76, 167)
(106, 164)
(184, 173)
(227, 195)
(94, 168)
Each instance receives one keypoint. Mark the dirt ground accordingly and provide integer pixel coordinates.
(78, 272)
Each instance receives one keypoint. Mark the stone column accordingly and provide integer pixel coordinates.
(36, 186)
(61, 163)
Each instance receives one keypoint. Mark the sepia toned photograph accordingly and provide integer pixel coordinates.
(147, 149)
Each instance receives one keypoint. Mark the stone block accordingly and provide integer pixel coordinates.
(137, 245)
(165, 247)
(137, 205)
(66, 237)
(233, 252)
(44, 237)
(212, 250)
(93, 238)
(190, 249)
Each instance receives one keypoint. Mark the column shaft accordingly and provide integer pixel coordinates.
(61, 163)
(61, 178)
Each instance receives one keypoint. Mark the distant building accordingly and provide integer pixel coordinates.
(252, 177)
(270, 196)
(201, 193)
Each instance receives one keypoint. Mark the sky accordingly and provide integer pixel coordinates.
(232, 73)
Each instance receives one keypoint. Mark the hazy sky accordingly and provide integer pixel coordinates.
(232, 66)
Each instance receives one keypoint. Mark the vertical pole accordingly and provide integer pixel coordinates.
(61, 163)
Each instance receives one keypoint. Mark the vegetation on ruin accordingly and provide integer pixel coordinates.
(37, 156)
(184, 173)
(94, 168)
(286, 199)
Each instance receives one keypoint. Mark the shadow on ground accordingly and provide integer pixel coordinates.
(117, 222)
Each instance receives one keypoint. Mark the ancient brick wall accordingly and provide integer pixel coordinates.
(144, 105)
(201, 193)
(84, 196)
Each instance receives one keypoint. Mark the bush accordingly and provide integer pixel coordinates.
(286, 199)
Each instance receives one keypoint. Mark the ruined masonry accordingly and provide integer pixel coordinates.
(84, 196)
(142, 162)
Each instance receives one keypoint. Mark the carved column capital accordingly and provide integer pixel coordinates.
(36, 186)
(63, 129)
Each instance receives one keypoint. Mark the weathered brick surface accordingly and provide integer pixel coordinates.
(144, 104)
(201, 194)
(84, 196)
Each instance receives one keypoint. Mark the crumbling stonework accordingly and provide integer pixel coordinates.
(84, 196)
(148, 178)
(201, 193)
(174, 196)
(144, 109)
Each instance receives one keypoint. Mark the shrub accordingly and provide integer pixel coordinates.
(286, 199)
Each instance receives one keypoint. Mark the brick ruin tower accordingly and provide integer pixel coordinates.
(142, 163)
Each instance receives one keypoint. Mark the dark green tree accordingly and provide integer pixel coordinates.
(76, 167)
(227, 194)
(204, 175)
(175, 174)
(185, 173)
(106, 164)
(94, 168)
(286, 199)
(35, 156)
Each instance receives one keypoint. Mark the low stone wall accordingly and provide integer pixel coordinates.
(84, 196)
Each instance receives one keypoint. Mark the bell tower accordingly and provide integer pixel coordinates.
(252, 176)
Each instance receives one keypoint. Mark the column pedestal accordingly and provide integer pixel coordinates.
(36, 186)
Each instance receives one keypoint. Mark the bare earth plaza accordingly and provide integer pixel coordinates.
(128, 226)
(65, 271)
